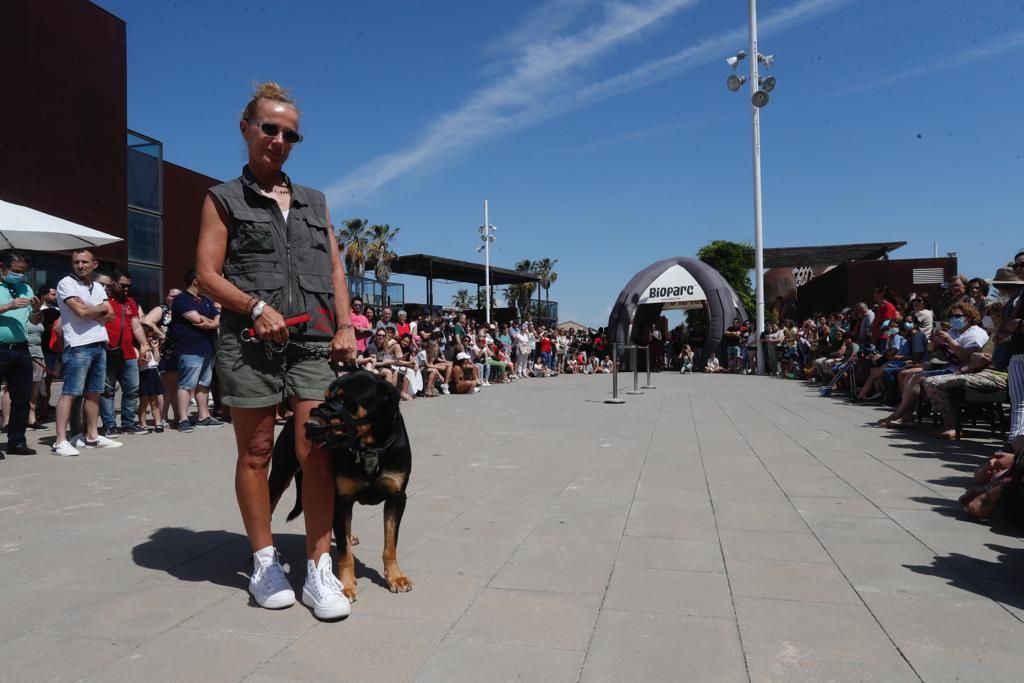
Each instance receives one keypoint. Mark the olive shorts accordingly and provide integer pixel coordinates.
(249, 379)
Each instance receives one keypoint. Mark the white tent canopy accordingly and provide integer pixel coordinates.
(31, 230)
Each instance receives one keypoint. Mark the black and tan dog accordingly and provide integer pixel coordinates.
(360, 424)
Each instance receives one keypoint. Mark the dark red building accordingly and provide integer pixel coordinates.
(69, 152)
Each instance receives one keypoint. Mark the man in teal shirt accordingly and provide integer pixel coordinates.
(17, 306)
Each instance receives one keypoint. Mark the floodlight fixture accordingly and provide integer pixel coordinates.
(759, 99)
(734, 82)
(736, 59)
(767, 84)
(767, 60)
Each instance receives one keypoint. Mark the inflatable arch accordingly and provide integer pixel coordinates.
(680, 282)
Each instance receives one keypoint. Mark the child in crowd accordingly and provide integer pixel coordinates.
(151, 387)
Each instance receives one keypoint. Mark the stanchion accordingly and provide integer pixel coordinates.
(615, 377)
(647, 349)
(636, 372)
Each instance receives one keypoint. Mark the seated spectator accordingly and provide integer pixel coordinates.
(825, 366)
(464, 375)
(892, 360)
(951, 349)
(410, 380)
(540, 368)
(686, 359)
(607, 366)
(713, 366)
(435, 369)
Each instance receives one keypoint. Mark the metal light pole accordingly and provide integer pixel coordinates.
(755, 85)
(487, 236)
(759, 89)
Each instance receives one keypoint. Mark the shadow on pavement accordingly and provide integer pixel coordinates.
(1002, 579)
(223, 557)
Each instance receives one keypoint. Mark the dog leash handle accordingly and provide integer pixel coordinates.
(250, 333)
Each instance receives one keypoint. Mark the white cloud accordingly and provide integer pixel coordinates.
(994, 48)
(541, 82)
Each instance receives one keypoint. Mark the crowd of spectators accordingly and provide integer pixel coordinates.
(918, 358)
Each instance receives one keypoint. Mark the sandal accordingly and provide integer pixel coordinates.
(945, 435)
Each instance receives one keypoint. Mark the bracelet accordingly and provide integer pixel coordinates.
(251, 304)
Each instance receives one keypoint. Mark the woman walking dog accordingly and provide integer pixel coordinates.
(266, 251)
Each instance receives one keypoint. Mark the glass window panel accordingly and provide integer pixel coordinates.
(143, 180)
(145, 286)
(143, 237)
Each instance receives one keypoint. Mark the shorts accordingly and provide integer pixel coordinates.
(150, 383)
(38, 369)
(248, 379)
(732, 351)
(169, 363)
(54, 361)
(194, 370)
(85, 369)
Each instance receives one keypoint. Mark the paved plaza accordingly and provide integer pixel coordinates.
(717, 528)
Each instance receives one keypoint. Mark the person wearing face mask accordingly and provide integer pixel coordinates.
(124, 332)
(17, 307)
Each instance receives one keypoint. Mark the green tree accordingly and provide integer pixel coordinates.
(525, 289)
(545, 268)
(353, 240)
(379, 250)
(734, 261)
(462, 299)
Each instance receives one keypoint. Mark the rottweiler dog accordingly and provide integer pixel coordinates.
(360, 424)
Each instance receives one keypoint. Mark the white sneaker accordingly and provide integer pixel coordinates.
(445, 390)
(64, 448)
(269, 586)
(322, 591)
(101, 442)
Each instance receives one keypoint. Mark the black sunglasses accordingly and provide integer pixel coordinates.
(271, 130)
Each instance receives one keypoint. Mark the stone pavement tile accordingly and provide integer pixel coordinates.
(682, 554)
(878, 530)
(758, 516)
(940, 664)
(891, 568)
(615, 482)
(649, 492)
(815, 508)
(630, 646)
(448, 556)
(829, 486)
(34, 560)
(685, 518)
(457, 660)
(808, 581)
(772, 545)
(574, 526)
(724, 490)
(34, 607)
(973, 627)
(359, 648)
(789, 631)
(1009, 594)
(485, 521)
(437, 598)
(513, 617)
(790, 669)
(35, 656)
(668, 591)
(137, 613)
(240, 614)
(192, 655)
(983, 556)
(561, 567)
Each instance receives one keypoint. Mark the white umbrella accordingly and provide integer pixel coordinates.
(28, 229)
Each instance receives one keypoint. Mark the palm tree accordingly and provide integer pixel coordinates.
(352, 242)
(462, 300)
(525, 289)
(379, 250)
(545, 268)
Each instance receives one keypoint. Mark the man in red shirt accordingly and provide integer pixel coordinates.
(544, 345)
(360, 323)
(123, 333)
(884, 310)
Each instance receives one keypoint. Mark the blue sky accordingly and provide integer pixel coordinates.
(602, 132)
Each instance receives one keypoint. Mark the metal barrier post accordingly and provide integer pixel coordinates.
(636, 373)
(615, 377)
(647, 349)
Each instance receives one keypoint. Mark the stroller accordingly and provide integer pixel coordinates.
(844, 369)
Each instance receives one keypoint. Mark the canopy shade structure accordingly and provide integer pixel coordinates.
(31, 230)
(827, 255)
(678, 282)
(453, 270)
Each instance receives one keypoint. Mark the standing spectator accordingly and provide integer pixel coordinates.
(84, 310)
(194, 326)
(732, 345)
(17, 307)
(50, 314)
(886, 314)
(158, 325)
(544, 346)
(361, 324)
(124, 331)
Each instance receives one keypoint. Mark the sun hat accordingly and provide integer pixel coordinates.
(1006, 276)
(462, 355)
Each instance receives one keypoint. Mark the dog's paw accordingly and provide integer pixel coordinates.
(350, 593)
(353, 539)
(400, 584)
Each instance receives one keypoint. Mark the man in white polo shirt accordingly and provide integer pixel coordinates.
(84, 311)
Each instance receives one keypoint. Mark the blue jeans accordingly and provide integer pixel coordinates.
(85, 369)
(126, 373)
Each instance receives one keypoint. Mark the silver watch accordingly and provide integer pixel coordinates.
(257, 310)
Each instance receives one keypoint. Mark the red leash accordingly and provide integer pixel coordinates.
(289, 322)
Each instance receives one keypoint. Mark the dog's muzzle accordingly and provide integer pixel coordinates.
(331, 426)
